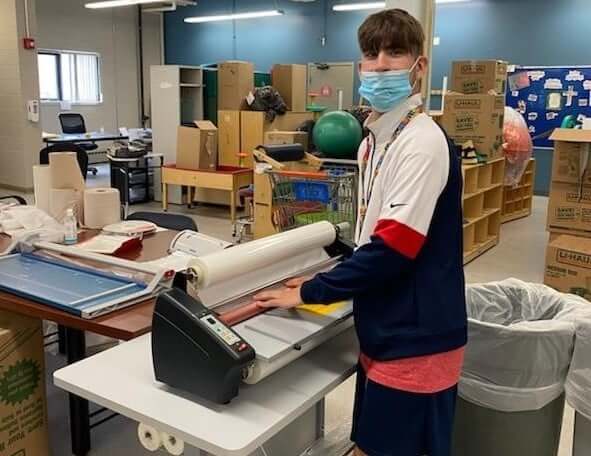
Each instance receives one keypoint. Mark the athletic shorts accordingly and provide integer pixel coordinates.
(390, 422)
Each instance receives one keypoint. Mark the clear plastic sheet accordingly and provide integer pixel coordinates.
(517, 146)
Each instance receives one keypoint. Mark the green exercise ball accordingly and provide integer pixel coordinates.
(337, 134)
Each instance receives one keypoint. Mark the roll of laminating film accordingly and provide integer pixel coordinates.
(61, 199)
(101, 207)
(222, 266)
(149, 437)
(65, 171)
(174, 446)
(42, 185)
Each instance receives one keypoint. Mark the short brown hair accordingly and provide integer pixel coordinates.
(391, 30)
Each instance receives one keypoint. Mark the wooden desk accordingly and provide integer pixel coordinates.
(228, 178)
(124, 324)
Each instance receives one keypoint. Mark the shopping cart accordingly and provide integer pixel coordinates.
(302, 197)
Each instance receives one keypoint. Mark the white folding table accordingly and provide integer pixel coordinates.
(283, 413)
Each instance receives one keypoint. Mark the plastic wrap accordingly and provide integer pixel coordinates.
(521, 338)
(517, 145)
(578, 383)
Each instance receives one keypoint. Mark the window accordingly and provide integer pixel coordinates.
(69, 76)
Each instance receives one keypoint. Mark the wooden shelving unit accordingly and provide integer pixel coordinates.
(482, 202)
(517, 201)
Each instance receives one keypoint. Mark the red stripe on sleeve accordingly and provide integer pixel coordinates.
(400, 237)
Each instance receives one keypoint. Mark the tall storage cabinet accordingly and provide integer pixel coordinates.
(177, 98)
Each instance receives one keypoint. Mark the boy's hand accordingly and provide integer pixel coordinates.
(285, 298)
(296, 282)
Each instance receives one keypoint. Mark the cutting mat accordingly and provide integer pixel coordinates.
(80, 291)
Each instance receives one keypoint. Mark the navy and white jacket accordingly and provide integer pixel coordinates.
(406, 277)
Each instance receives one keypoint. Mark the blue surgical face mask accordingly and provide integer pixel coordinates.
(385, 90)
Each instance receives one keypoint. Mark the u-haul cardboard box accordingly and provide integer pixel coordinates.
(568, 265)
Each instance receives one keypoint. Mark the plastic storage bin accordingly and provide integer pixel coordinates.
(520, 346)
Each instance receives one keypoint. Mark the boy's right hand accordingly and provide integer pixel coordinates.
(297, 281)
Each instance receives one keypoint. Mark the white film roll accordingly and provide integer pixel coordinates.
(60, 200)
(42, 185)
(102, 207)
(149, 437)
(238, 260)
(174, 446)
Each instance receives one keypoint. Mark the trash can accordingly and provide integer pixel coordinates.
(578, 382)
(520, 345)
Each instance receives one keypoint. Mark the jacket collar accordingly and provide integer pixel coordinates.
(383, 126)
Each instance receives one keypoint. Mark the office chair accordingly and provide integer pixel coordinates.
(81, 155)
(73, 123)
(19, 199)
(170, 221)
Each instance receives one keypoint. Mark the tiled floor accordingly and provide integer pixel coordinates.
(520, 254)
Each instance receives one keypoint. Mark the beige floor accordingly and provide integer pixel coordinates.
(520, 254)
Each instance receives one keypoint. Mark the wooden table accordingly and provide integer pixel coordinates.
(228, 178)
(124, 324)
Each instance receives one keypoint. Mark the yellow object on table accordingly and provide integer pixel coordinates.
(322, 309)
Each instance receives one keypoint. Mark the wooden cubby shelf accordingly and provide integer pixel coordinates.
(517, 200)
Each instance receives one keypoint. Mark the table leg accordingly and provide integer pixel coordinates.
(164, 196)
(79, 409)
(61, 339)
(233, 205)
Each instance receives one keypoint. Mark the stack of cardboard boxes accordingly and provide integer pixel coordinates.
(474, 109)
(568, 257)
(240, 131)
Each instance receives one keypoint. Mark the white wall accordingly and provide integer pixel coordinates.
(67, 25)
(20, 140)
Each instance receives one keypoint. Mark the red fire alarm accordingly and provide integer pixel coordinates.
(29, 43)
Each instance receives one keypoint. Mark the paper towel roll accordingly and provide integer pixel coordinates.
(65, 171)
(42, 185)
(60, 200)
(174, 446)
(149, 437)
(101, 207)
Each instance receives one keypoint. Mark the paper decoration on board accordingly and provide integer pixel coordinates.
(555, 84)
(521, 107)
(574, 75)
(515, 93)
(551, 115)
(570, 94)
(519, 81)
(532, 129)
(536, 75)
(532, 116)
(583, 102)
(554, 101)
(532, 97)
(587, 85)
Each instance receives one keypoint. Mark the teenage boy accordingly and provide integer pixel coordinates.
(406, 277)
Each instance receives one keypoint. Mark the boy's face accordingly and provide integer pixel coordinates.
(386, 61)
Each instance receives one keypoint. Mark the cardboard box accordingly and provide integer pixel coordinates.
(229, 138)
(23, 405)
(476, 118)
(254, 126)
(568, 265)
(479, 76)
(235, 82)
(572, 150)
(290, 82)
(569, 208)
(197, 146)
(287, 137)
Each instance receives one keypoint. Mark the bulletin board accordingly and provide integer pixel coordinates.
(546, 95)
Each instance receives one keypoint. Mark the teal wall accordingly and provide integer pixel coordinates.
(525, 32)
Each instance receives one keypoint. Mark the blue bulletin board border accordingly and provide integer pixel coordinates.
(554, 92)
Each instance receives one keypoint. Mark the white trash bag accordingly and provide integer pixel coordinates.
(578, 383)
(520, 344)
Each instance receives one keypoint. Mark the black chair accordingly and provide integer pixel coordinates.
(73, 123)
(81, 155)
(19, 199)
(170, 221)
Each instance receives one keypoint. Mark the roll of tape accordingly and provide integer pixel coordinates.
(174, 446)
(149, 437)
(101, 207)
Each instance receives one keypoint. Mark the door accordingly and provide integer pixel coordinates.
(331, 82)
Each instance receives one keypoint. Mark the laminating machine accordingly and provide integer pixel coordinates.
(208, 344)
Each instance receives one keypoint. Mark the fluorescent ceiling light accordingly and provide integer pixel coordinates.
(231, 17)
(359, 6)
(116, 3)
